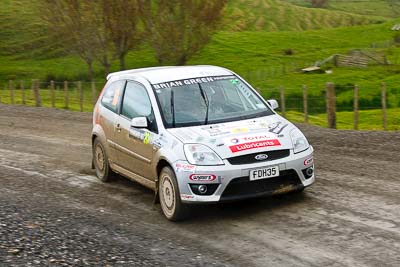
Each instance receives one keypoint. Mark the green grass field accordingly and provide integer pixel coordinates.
(253, 42)
(384, 8)
(368, 119)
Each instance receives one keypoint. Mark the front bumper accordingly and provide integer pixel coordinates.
(231, 182)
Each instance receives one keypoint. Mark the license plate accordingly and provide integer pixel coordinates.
(264, 173)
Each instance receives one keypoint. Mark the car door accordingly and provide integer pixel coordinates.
(136, 150)
(110, 103)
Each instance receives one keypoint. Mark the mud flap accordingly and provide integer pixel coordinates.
(156, 197)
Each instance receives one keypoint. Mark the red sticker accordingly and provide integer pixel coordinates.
(254, 145)
(308, 161)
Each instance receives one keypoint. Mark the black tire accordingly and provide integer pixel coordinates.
(100, 161)
(170, 199)
(298, 191)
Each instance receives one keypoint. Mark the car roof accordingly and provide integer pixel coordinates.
(171, 73)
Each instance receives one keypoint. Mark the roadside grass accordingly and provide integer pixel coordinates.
(368, 119)
(59, 97)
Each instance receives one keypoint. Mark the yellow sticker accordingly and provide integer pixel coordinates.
(146, 138)
(240, 130)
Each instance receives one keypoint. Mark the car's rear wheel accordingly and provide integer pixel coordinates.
(170, 200)
(100, 160)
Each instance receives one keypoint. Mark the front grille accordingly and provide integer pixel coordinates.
(243, 188)
(250, 158)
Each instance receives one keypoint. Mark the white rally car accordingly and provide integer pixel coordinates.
(196, 134)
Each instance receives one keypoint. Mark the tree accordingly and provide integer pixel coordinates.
(70, 25)
(319, 3)
(178, 29)
(96, 30)
(121, 19)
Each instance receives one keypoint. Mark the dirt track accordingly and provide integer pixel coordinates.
(54, 211)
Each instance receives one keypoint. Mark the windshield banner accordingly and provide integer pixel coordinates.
(191, 81)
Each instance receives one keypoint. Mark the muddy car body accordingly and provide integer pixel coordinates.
(196, 134)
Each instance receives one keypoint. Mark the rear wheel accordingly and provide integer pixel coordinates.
(170, 200)
(100, 160)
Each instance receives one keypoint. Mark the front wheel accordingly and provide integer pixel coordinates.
(170, 200)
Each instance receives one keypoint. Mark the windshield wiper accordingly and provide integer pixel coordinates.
(203, 94)
(172, 108)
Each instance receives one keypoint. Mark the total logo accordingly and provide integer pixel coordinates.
(234, 141)
(203, 177)
(250, 138)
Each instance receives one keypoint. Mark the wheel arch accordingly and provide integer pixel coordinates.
(98, 132)
(162, 163)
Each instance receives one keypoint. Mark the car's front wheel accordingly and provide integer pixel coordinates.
(170, 200)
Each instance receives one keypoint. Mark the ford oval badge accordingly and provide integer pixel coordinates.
(261, 157)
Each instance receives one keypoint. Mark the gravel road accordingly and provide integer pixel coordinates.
(54, 212)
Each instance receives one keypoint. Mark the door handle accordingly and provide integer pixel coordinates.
(117, 127)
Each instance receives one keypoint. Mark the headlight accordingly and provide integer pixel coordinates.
(299, 141)
(198, 154)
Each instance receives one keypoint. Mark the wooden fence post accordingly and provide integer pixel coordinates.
(53, 97)
(80, 95)
(36, 92)
(356, 107)
(11, 88)
(384, 111)
(66, 95)
(331, 105)
(283, 102)
(22, 87)
(94, 93)
(305, 103)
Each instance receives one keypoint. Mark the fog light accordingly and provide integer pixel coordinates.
(202, 189)
(308, 172)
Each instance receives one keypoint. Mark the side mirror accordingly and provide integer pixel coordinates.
(273, 103)
(139, 122)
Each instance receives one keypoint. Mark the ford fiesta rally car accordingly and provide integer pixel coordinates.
(196, 134)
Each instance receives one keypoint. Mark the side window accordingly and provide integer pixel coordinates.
(136, 103)
(112, 95)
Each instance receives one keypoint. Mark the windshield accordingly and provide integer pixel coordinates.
(207, 100)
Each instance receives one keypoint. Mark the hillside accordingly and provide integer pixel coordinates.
(275, 15)
(257, 55)
(384, 8)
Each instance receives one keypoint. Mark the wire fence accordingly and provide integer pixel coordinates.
(311, 104)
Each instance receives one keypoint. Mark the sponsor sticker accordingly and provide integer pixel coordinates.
(308, 161)
(146, 138)
(203, 177)
(185, 196)
(184, 167)
(116, 97)
(178, 83)
(277, 127)
(254, 145)
(249, 138)
(240, 130)
(136, 133)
